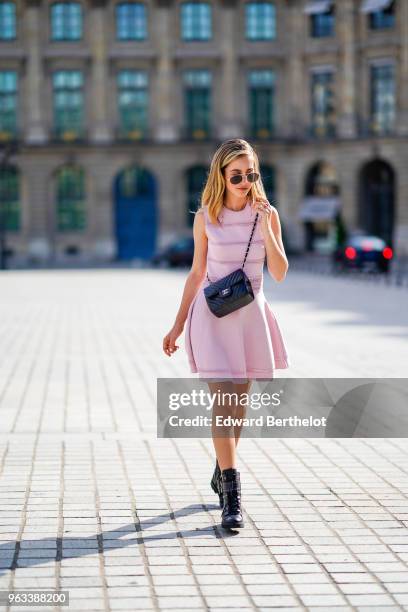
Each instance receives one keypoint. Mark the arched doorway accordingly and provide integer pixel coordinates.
(10, 209)
(320, 207)
(70, 199)
(135, 196)
(376, 199)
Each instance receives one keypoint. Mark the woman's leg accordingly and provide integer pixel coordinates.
(223, 435)
(225, 438)
(240, 409)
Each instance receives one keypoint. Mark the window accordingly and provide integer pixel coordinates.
(131, 21)
(260, 20)
(66, 21)
(7, 20)
(322, 24)
(322, 102)
(132, 103)
(195, 21)
(197, 101)
(382, 98)
(70, 199)
(382, 19)
(261, 103)
(68, 104)
(10, 198)
(8, 104)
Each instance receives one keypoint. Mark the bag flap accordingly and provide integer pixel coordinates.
(231, 279)
(211, 291)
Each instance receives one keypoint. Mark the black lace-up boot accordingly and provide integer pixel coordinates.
(216, 483)
(231, 490)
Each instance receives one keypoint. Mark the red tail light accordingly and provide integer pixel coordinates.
(387, 253)
(350, 252)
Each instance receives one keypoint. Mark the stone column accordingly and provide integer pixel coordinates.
(37, 201)
(229, 126)
(295, 86)
(34, 125)
(102, 173)
(347, 73)
(346, 162)
(293, 165)
(402, 117)
(100, 129)
(165, 129)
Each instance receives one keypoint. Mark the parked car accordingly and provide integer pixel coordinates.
(178, 253)
(363, 252)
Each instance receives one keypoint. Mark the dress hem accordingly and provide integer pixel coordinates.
(281, 364)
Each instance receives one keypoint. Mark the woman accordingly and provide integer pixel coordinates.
(231, 351)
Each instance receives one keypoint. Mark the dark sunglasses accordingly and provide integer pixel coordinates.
(237, 178)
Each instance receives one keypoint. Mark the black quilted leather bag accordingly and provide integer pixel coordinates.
(232, 291)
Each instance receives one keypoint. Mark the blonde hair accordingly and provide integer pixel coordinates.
(214, 189)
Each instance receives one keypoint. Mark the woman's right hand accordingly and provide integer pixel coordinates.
(169, 341)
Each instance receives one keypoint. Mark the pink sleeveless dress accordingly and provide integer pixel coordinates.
(247, 343)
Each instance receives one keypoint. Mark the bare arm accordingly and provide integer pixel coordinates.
(193, 281)
(276, 257)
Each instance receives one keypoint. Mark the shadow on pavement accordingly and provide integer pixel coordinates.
(60, 548)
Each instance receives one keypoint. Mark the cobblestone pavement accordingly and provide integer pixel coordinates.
(92, 502)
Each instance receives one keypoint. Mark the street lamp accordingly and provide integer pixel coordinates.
(7, 150)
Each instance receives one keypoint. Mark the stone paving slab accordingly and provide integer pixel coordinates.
(91, 501)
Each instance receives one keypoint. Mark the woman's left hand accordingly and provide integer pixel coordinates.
(264, 208)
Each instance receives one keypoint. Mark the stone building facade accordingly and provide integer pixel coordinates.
(117, 107)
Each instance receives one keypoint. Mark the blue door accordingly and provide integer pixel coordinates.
(135, 193)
